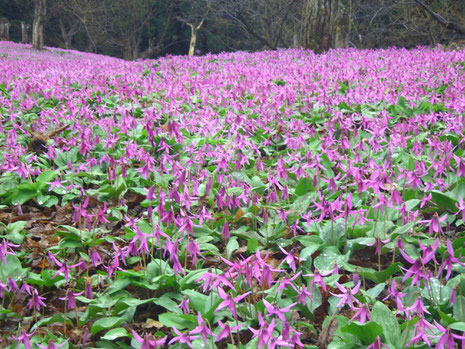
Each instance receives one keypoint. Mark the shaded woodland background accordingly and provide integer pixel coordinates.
(134, 29)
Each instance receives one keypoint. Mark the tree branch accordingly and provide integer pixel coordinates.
(440, 19)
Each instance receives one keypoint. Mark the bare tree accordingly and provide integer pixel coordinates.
(40, 12)
(270, 23)
(4, 29)
(406, 23)
(441, 20)
(68, 33)
(194, 13)
(25, 32)
(314, 24)
(326, 24)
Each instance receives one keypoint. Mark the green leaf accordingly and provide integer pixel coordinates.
(166, 301)
(179, 321)
(12, 268)
(446, 318)
(304, 186)
(301, 204)
(458, 326)
(403, 229)
(115, 333)
(366, 333)
(444, 201)
(382, 276)
(252, 245)
(329, 255)
(21, 194)
(57, 318)
(16, 227)
(375, 291)
(458, 309)
(257, 185)
(44, 178)
(158, 267)
(231, 246)
(105, 324)
(384, 316)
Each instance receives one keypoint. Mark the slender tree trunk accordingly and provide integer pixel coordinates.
(40, 11)
(326, 24)
(4, 29)
(68, 35)
(193, 41)
(25, 33)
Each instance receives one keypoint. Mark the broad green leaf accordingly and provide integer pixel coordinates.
(304, 186)
(179, 321)
(12, 268)
(328, 256)
(115, 333)
(458, 326)
(44, 178)
(383, 275)
(366, 333)
(21, 194)
(231, 246)
(105, 324)
(459, 309)
(444, 201)
(382, 315)
(252, 245)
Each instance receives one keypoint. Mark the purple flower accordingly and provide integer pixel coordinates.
(229, 301)
(202, 329)
(264, 333)
(184, 305)
(225, 330)
(447, 339)
(290, 259)
(449, 261)
(275, 310)
(193, 250)
(392, 292)
(377, 344)
(317, 279)
(225, 232)
(460, 166)
(36, 301)
(435, 224)
(417, 270)
(361, 314)
(347, 295)
(419, 332)
(148, 342)
(52, 345)
(6, 249)
(461, 209)
(379, 244)
(182, 338)
(70, 298)
(24, 339)
(303, 295)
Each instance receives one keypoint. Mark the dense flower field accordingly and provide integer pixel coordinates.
(274, 199)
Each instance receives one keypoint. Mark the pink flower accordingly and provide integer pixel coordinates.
(229, 301)
(148, 342)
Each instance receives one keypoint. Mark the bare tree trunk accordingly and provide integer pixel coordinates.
(127, 50)
(326, 24)
(193, 41)
(25, 33)
(40, 11)
(4, 29)
(67, 35)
